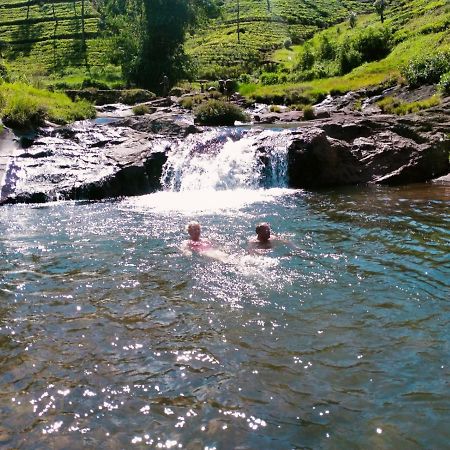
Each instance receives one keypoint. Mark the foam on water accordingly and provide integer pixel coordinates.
(203, 201)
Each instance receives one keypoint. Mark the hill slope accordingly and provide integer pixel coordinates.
(264, 25)
(51, 34)
(417, 29)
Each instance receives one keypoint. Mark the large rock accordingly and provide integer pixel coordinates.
(86, 161)
(316, 160)
(381, 149)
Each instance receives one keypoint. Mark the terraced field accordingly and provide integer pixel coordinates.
(264, 25)
(50, 34)
(419, 28)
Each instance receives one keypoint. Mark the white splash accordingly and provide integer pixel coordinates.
(222, 161)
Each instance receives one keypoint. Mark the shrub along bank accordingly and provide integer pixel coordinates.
(23, 106)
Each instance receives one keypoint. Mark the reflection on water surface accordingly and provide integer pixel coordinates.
(110, 336)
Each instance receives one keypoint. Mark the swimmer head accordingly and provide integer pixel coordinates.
(194, 230)
(263, 232)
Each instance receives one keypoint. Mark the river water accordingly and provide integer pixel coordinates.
(337, 337)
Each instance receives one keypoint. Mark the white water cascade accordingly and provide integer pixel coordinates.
(218, 170)
(227, 160)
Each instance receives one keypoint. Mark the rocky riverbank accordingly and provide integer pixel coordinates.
(94, 160)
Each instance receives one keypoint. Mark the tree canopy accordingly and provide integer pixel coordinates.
(148, 37)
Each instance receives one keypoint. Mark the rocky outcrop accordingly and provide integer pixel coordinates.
(88, 160)
(380, 149)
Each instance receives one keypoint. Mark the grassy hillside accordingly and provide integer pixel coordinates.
(49, 35)
(264, 25)
(42, 39)
(415, 30)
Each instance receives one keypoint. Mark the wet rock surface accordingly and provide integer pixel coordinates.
(92, 160)
(383, 149)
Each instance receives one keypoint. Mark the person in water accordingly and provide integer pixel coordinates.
(195, 243)
(263, 238)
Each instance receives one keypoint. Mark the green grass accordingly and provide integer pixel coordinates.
(405, 47)
(392, 105)
(24, 106)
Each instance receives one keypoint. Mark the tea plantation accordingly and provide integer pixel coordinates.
(50, 35)
(242, 38)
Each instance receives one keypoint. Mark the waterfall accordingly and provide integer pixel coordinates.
(227, 160)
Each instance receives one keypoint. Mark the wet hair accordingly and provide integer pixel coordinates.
(192, 224)
(261, 226)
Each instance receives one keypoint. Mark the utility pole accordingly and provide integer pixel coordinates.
(238, 25)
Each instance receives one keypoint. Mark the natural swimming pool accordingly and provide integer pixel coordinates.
(111, 337)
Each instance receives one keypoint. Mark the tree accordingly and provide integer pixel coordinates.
(83, 35)
(238, 22)
(148, 37)
(380, 6)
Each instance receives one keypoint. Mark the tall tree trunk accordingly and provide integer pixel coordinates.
(238, 22)
(83, 38)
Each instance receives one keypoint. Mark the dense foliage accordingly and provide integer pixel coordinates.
(427, 69)
(330, 57)
(218, 112)
(148, 37)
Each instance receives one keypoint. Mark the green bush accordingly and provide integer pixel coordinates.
(91, 83)
(306, 60)
(24, 112)
(373, 43)
(327, 50)
(269, 78)
(308, 113)
(191, 101)
(133, 96)
(444, 84)
(348, 57)
(140, 110)
(427, 69)
(244, 78)
(217, 112)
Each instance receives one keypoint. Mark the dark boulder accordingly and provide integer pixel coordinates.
(317, 160)
(380, 149)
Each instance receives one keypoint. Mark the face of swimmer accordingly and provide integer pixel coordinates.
(263, 232)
